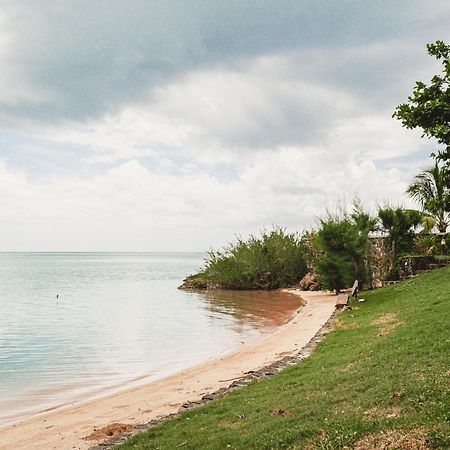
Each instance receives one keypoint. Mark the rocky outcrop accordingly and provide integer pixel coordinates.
(309, 282)
(193, 283)
(377, 283)
(198, 281)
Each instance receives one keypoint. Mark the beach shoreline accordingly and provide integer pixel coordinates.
(68, 427)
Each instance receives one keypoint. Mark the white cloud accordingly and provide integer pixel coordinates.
(122, 154)
(131, 207)
(227, 115)
(294, 141)
(375, 136)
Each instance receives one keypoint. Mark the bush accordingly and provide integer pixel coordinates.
(400, 224)
(343, 241)
(273, 260)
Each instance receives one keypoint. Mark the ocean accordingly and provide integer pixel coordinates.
(75, 326)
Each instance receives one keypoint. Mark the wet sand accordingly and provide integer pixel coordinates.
(66, 428)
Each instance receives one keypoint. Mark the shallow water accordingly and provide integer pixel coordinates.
(119, 320)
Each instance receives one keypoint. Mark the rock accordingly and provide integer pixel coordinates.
(309, 279)
(377, 283)
(198, 282)
(315, 287)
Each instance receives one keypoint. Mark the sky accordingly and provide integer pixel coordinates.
(175, 126)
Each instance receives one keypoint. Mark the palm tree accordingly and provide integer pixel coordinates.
(430, 190)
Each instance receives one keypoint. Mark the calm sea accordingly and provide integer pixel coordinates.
(119, 320)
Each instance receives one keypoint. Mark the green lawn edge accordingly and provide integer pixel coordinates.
(381, 377)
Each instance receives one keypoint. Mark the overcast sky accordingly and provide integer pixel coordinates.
(171, 125)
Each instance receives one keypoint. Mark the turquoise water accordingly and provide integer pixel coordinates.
(119, 319)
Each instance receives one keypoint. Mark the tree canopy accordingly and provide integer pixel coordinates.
(429, 105)
(430, 190)
(400, 225)
(342, 241)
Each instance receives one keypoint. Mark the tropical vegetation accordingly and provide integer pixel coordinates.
(337, 250)
(430, 189)
(272, 260)
(342, 242)
(428, 107)
(400, 225)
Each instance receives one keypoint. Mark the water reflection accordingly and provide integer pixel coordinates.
(263, 310)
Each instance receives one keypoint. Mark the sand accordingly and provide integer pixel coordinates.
(67, 428)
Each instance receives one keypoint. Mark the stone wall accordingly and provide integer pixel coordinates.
(381, 262)
(412, 265)
(379, 258)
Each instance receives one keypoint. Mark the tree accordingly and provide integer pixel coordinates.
(428, 223)
(400, 224)
(362, 219)
(342, 242)
(430, 190)
(429, 105)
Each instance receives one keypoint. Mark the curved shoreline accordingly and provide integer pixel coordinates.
(67, 428)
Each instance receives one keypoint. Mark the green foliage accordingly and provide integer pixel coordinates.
(307, 240)
(342, 241)
(428, 223)
(431, 191)
(400, 224)
(336, 271)
(362, 219)
(425, 244)
(382, 370)
(429, 105)
(273, 260)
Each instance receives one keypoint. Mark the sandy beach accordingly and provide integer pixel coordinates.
(67, 428)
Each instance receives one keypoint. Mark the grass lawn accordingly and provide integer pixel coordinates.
(380, 380)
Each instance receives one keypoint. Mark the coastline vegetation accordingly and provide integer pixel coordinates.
(338, 250)
(429, 188)
(272, 260)
(378, 380)
(342, 242)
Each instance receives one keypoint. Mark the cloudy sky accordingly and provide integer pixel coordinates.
(175, 125)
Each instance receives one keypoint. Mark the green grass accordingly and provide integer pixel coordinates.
(364, 378)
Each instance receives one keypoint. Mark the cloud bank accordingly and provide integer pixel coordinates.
(155, 126)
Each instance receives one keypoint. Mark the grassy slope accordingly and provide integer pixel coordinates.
(365, 377)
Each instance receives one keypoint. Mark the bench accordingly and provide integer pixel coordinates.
(342, 299)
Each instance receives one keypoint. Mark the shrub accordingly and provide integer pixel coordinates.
(343, 241)
(400, 224)
(273, 260)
